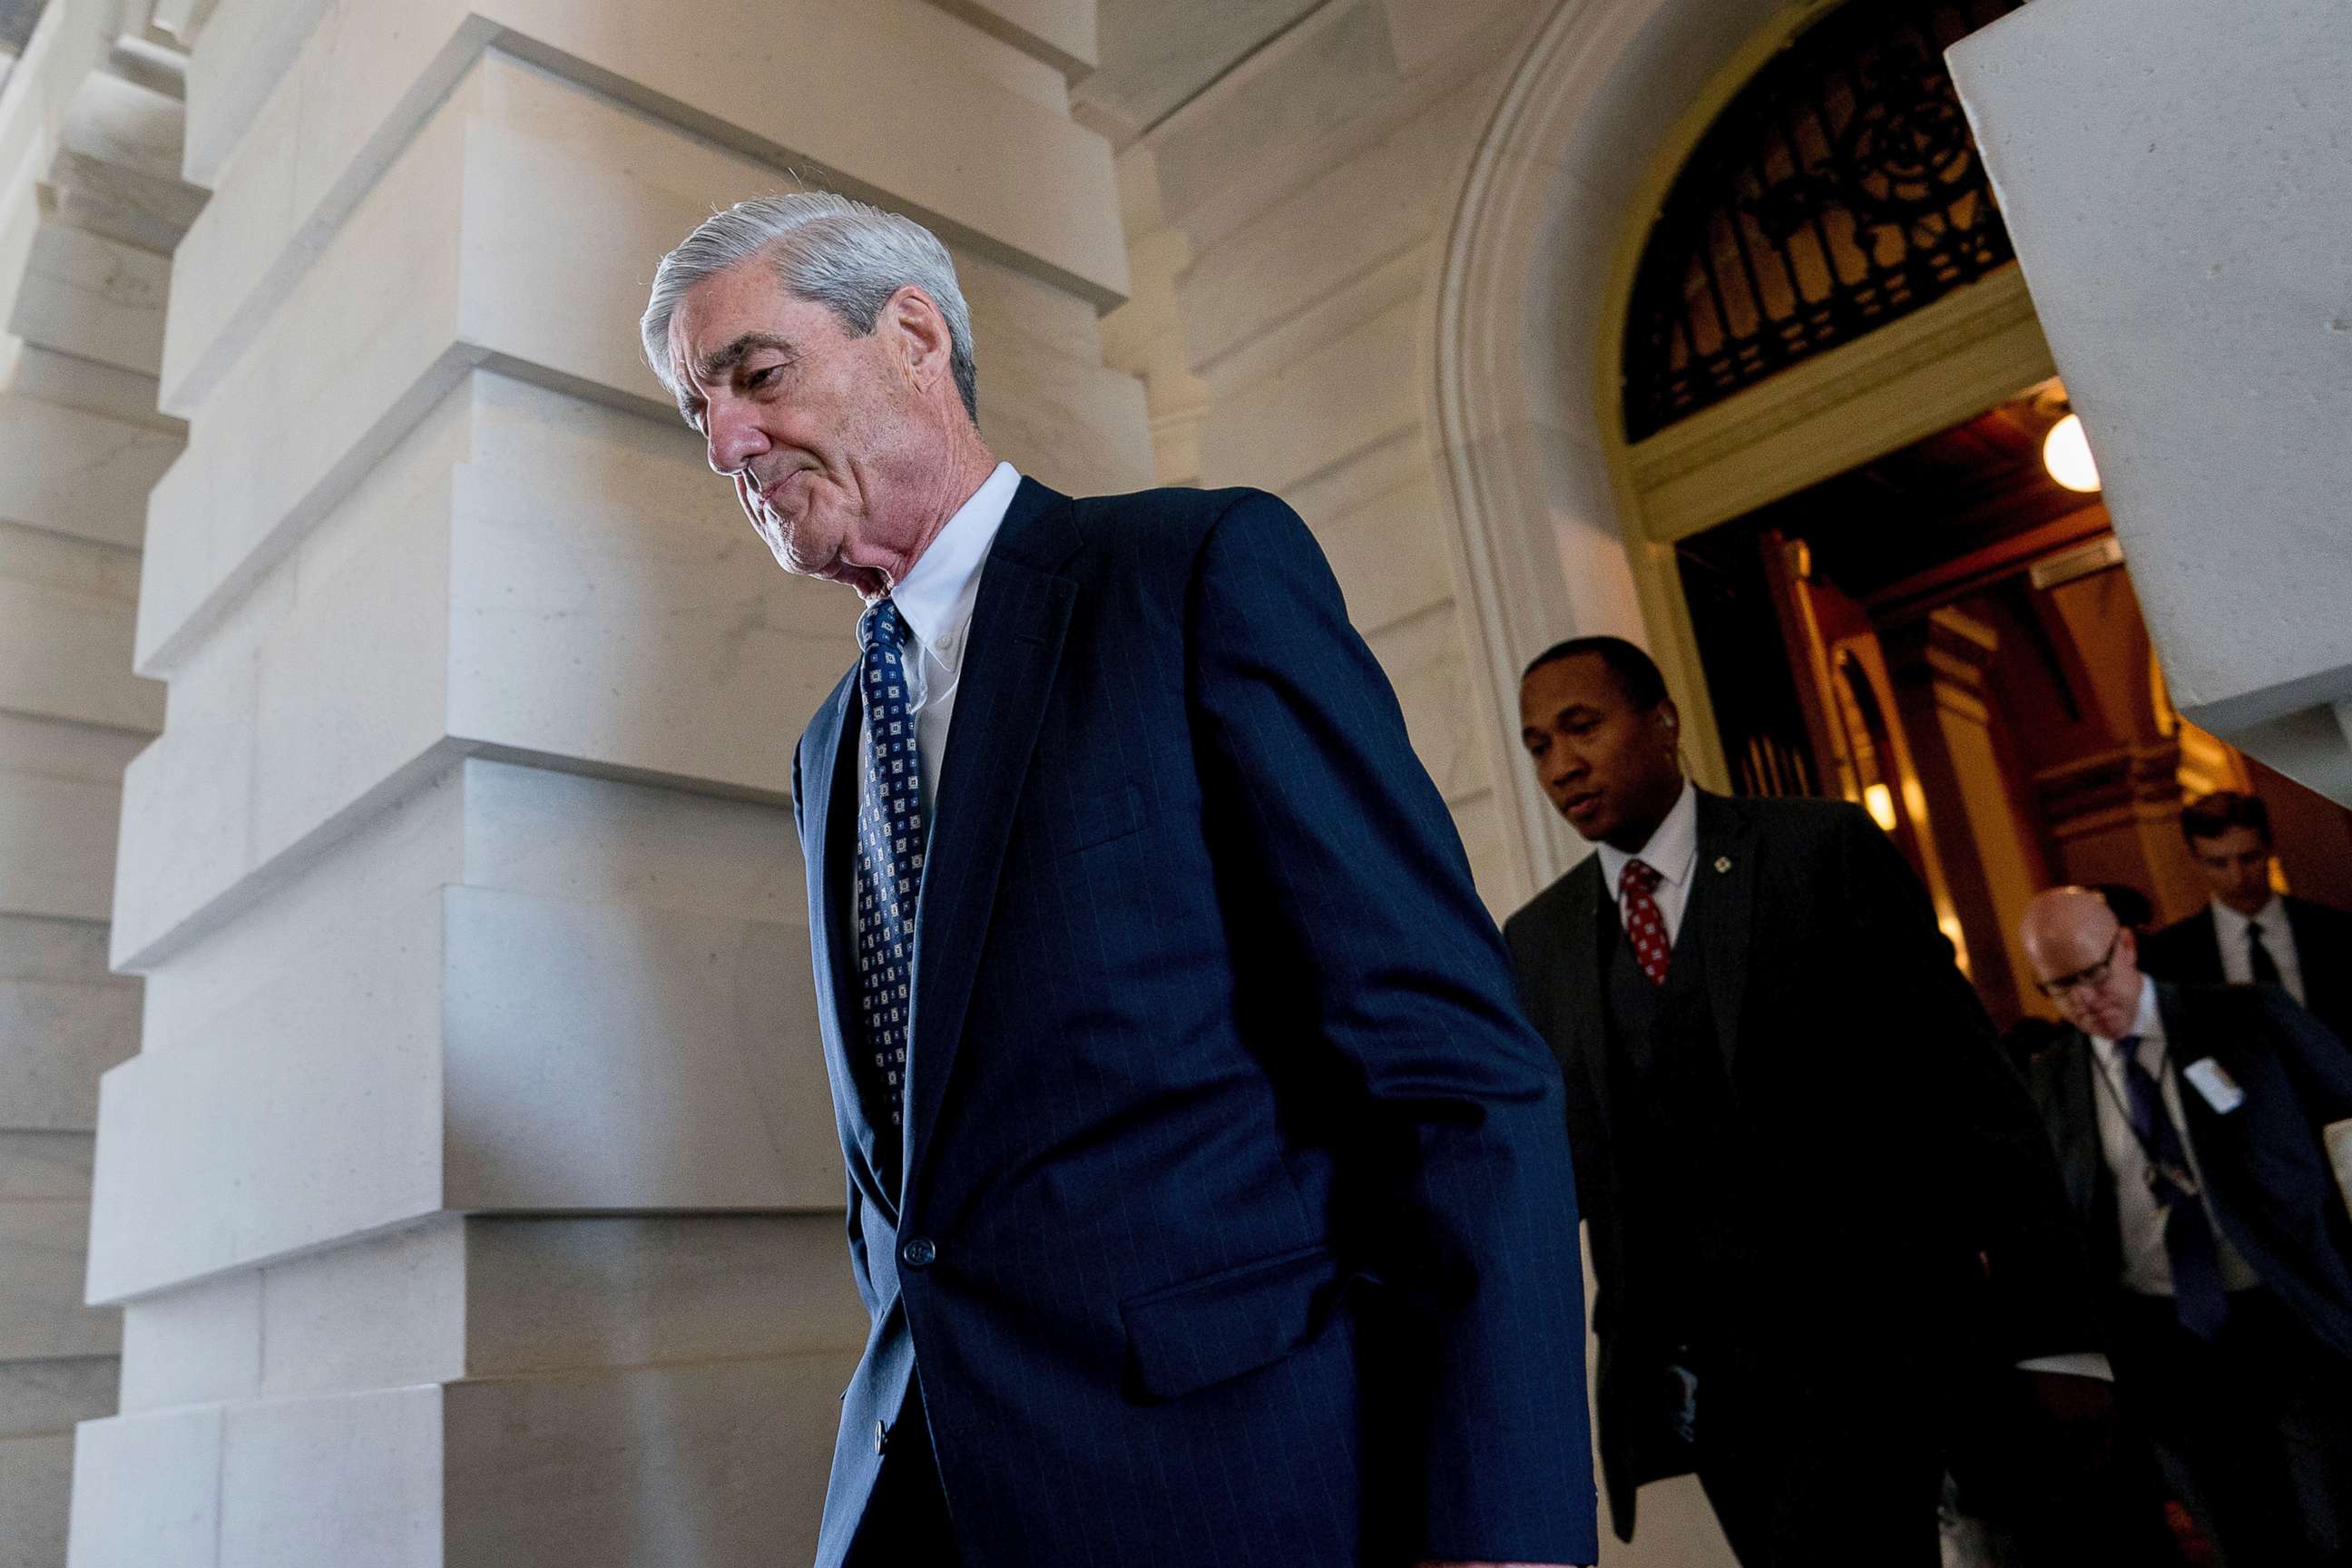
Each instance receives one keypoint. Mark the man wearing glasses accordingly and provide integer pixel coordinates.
(2189, 1122)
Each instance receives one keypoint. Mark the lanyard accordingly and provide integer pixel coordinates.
(2160, 1171)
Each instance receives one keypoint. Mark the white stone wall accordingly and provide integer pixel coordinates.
(474, 1197)
(91, 204)
(1293, 216)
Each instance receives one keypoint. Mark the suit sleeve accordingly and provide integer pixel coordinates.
(1531, 942)
(859, 1269)
(1339, 848)
(2315, 1059)
(1992, 1161)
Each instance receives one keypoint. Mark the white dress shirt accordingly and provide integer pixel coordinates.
(2238, 963)
(935, 599)
(1671, 852)
(2147, 1269)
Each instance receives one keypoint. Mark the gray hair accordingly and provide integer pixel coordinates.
(844, 255)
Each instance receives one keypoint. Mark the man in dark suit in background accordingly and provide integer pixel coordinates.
(1817, 1193)
(2188, 1122)
(1206, 1189)
(2250, 936)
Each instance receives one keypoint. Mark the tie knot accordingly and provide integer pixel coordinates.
(2254, 930)
(880, 627)
(1639, 877)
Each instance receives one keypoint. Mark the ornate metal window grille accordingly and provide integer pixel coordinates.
(1839, 190)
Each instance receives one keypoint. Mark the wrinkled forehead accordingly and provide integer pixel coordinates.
(747, 300)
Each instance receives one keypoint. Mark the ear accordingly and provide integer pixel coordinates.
(919, 333)
(1670, 718)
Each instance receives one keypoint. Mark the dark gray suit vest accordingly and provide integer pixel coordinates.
(1689, 1232)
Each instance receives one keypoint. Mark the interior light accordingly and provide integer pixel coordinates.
(1879, 801)
(2066, 453)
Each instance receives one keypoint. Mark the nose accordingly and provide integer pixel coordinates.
(735, 437)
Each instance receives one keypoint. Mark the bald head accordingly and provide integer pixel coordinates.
(2084, 960)
(2066, 929)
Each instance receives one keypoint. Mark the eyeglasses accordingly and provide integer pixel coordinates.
(2054, 989)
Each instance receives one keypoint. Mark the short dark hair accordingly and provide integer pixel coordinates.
(2211, 815)
(2131, 907)
(1637, 672)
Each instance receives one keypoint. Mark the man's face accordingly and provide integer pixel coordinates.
(1608, 766)
(2237, 864)
(2091, 970)
(821, 431)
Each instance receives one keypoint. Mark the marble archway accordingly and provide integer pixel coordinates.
(1528, 304)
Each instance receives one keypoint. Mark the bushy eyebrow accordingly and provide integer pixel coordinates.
(715, 365)
(719, 363)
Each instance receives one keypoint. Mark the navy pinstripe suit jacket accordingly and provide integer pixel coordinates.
(1237, 1221)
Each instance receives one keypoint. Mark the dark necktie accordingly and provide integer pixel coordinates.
(2258, 956)
(1637, 889)
(2189, 1242)
(890, 872)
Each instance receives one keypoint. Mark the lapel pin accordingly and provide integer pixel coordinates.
(1722, 864)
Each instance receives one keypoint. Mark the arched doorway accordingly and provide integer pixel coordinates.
(1603, 419)
(1563, 526)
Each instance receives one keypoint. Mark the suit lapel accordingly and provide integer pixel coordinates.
(1584, 1001)
(1014, 645)
(2209, 970)
(1723, 884)
(2307, 928)
(828, 786)
(2082, 1159)
(2195, 1116)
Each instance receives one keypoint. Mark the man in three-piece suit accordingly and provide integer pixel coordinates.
(1208, 1193)
(1815, 1189)
(2188, 1122)
(2250, 936)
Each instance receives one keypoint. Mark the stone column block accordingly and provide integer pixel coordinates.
(1026, 185)
(474, 1196)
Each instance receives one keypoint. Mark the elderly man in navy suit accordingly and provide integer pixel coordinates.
(1207, 1190)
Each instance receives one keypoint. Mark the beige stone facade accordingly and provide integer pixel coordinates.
(91, 205)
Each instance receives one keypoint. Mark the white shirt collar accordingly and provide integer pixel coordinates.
(2232, 925)
(1671, 850)
(2149, 1025)
(935, 596)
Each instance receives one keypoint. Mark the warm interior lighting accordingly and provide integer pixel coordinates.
(2066, 453)
(1949, 924)
(1879, 801)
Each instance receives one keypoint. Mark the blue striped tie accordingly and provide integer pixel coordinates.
(2188, 1241)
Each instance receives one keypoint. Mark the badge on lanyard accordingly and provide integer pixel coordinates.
(2214, 1082)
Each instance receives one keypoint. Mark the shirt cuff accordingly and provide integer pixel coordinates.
(2081, 1364)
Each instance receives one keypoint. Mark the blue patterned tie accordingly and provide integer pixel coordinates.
(2197, 1293)
(889, 873)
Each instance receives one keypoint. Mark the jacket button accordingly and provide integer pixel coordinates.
(918, 1253)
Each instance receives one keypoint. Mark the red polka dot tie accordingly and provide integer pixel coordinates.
(1637, 888)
